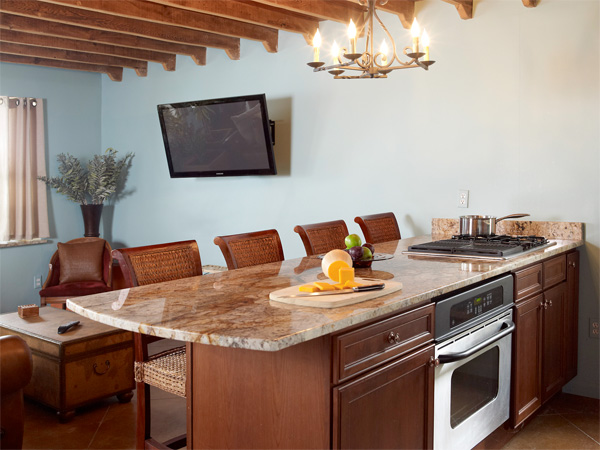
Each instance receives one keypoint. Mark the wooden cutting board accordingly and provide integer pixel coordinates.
(333, 301)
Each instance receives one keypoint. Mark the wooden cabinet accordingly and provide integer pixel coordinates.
(391, 407)
(386, 398)
(527, 359)
(545, 342)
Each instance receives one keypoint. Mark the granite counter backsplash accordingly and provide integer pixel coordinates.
(446, 228)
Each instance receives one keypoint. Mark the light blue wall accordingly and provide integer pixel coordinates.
(514, 84)
(509, 111)
(73, 112)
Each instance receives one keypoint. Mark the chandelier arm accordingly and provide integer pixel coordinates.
(395, 54)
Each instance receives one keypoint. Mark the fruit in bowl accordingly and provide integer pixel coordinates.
(352, 240)
(361, 254)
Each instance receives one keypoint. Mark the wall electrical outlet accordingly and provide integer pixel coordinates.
(37, 281)
(463, 199)
(594, 330)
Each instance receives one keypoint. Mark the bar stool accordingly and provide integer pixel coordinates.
(322, 237)
(379, 227)
(166, 370)
(250, 249)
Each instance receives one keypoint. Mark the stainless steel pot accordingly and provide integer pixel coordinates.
(482, 225)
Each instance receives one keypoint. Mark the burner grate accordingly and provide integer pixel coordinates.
(493, 246)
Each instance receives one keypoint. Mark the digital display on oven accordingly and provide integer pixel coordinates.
(475, 306)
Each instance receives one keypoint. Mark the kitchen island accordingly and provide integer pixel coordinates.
(263, 374)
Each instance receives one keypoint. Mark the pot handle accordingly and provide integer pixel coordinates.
(512, 216)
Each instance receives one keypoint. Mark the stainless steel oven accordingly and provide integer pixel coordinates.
(473, 364)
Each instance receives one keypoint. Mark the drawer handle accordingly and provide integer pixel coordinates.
(106, 363)
(394, 338)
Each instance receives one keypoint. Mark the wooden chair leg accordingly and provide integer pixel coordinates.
(144, 418)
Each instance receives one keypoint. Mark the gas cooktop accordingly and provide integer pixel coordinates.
(482, 247)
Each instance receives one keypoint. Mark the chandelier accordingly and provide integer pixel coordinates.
(369, 64)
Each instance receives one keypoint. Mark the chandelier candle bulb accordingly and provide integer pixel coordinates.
(383, 49)
(335, 50)
(425, 40)
(352, 36)
(317, 44)
(415, 31)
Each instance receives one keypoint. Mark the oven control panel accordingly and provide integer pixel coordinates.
(475, 306)
(468, 307)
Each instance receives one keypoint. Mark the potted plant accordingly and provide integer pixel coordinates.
(89, 186)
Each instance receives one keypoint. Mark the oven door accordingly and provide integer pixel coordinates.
(472, 384)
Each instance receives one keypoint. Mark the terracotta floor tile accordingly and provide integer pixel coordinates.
(551, 432)
(42, 429)
(588, 423)
(117, 430)
(569, 403)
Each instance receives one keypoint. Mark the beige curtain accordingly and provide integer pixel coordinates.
(23, 208)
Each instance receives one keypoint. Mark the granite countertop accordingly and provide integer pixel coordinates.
(232, 309)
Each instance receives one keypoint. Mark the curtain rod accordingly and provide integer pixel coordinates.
(17, 100)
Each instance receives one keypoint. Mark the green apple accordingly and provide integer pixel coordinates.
(353, 240)
(367, 253)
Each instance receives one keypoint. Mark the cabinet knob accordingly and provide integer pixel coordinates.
(572, 264)
(549, 302)
(394, 338)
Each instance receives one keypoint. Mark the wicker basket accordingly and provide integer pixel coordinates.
(165, 370)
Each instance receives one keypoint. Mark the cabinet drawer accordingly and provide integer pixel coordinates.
(528, 281)
(555, 271)
(368, 346)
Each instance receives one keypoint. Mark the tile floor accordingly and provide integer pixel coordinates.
(567, 422)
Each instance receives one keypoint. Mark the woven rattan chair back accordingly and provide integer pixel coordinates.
(159, 263)
(322, 237)
(379, 227)
(250, 249)
(166, 370)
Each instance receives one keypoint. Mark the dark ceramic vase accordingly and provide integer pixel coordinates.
(91, 219)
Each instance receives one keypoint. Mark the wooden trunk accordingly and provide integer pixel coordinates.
(89, 362)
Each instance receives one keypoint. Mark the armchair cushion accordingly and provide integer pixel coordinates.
(81, 261)
(75, 289)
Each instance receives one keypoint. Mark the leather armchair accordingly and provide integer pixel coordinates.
(15, 373)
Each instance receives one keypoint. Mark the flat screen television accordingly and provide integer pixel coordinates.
(219, 137)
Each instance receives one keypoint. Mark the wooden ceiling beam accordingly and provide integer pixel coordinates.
(114, 73)
(140, 67)
(335, 10)
(101, 21)
(464, 8)
(250, 12)
(46, 28)
(18, 37)
(168, 15)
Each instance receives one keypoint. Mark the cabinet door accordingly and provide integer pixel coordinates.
(571, 316)
(527, 359)
(553, 368)
(391, 407)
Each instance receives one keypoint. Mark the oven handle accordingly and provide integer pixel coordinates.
(507, 328)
